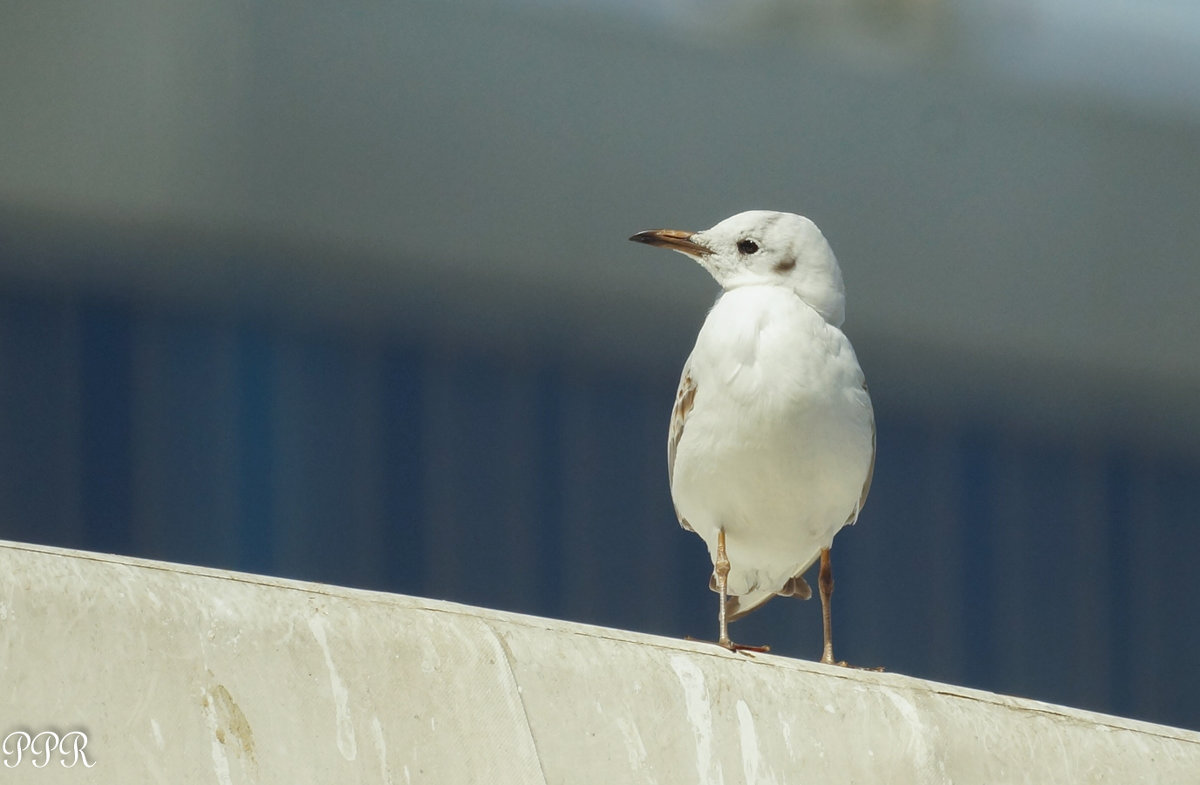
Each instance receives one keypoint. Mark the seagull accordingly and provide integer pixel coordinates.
(771, 445)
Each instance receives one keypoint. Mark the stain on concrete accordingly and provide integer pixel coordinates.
(231, 718)
(232, 736)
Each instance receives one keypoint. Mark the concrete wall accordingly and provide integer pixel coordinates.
(179, 674)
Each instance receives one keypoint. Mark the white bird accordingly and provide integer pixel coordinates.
(772, 439)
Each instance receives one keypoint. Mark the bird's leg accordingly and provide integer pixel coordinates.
(722, 570)
(825, 582)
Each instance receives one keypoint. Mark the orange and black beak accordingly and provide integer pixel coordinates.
(673, 239)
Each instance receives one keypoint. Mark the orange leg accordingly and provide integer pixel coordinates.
(826, 585)
(721, 569)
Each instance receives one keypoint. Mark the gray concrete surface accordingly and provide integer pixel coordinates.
(180, 674)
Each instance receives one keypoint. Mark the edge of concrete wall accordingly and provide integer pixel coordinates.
(184, 674)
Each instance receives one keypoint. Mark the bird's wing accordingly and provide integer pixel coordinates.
(870, 471)
(685, 398)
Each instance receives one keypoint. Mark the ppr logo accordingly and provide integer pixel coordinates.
(38, 750)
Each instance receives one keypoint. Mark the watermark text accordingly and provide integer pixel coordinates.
(39, 749)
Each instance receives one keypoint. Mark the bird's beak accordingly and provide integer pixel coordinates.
(673, 239)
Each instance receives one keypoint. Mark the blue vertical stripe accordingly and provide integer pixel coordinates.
(402, 453)
(1118, 481)
(105, 449)
(37, 420)
(978, 501)
(254, 365)
(548, 468)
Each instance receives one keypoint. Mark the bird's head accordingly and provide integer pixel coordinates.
(764, 248)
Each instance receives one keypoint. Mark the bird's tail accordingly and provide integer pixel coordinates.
(737, 607)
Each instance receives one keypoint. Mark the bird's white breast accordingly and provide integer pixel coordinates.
(779, 440)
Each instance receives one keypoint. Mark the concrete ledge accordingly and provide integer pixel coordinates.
(180, 674)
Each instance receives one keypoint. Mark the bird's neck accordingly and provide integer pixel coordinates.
(828, 302)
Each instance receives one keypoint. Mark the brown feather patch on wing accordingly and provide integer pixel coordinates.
(685, 399)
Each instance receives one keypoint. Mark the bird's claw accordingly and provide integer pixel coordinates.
(728, 645)
(844, 664)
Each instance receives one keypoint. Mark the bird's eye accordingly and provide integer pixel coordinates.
(747, 246)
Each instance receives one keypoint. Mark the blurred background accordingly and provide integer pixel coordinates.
(342, 292)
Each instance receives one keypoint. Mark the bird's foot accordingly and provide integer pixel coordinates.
(844, 664)
(741, 648)
(744, 648)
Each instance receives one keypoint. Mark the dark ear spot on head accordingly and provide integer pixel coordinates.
(785, 265)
